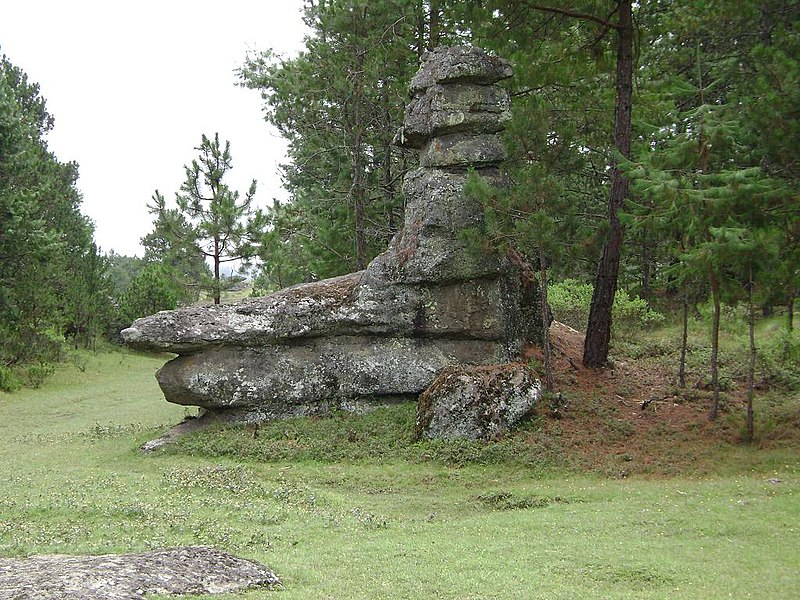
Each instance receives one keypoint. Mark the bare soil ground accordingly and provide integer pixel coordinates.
(632, 417)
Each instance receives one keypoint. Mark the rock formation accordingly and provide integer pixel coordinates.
(382, 334)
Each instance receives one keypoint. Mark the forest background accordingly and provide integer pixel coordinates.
(653, 152)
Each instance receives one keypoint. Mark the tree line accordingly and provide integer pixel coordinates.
(51, 274)
(652, 148)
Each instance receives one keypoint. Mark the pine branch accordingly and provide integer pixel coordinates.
(575, 14)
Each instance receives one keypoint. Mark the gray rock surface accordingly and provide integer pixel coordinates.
(190, 570)
(459, 64)
(445, 109)
(462, 150)
(313, 376)
(476, 403)
(382, 334)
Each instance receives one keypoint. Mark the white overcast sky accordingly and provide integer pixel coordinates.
(134, 85)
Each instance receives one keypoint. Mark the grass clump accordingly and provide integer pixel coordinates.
(384, 434)
(509, 501)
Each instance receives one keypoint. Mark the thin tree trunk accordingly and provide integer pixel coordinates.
(598, 329)
(216, 271)
(386, 167)
(433, 24)
(714, 344)
(790, 309)
(646, 268)
(420, 41)
(684, 343)
(357, 189)
(546, 350)
(751, 370)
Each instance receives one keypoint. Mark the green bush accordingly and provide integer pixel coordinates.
(9, 381)
(631, 313)
(570, 301)
(37, 374)
(778, 358)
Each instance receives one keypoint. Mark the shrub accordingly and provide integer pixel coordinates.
(9, 382)
(570, 301)
(38, 373)
(778, 357)
(631, 313)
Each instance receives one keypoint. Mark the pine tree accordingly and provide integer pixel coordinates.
(707, 175)
(211, 218)
(51, 278)
(339, 104)
(172, 244)
(700, 185)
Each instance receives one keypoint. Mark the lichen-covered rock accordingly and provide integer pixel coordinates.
(378, 308)
(191, 570)
(317, 375)
(420, 259)
(318, 308)
(462, 150)
(459, 64)
(436, 204)
(383, 334)
(476, 403)
(430, 247)
(445, 109)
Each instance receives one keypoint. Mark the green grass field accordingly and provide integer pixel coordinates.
(406, 522)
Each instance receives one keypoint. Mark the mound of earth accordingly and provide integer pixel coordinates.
(631, 417)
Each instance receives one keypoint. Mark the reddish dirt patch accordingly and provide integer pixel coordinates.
(626, 418)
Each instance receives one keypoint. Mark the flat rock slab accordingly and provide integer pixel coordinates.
(178, 571)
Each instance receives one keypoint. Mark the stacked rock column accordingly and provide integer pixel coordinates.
(454, 119)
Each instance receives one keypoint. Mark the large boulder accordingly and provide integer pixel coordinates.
(383, 334)
(476, 403)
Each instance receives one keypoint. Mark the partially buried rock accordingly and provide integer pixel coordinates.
(189, 570)
(476, 403)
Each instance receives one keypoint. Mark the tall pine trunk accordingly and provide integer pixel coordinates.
(684, 343)
(547, 354)
(357, 189)
(433, 24)
(420, 28)
(712, 278)
(751, 370)
(598, 329)
(387, 184)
